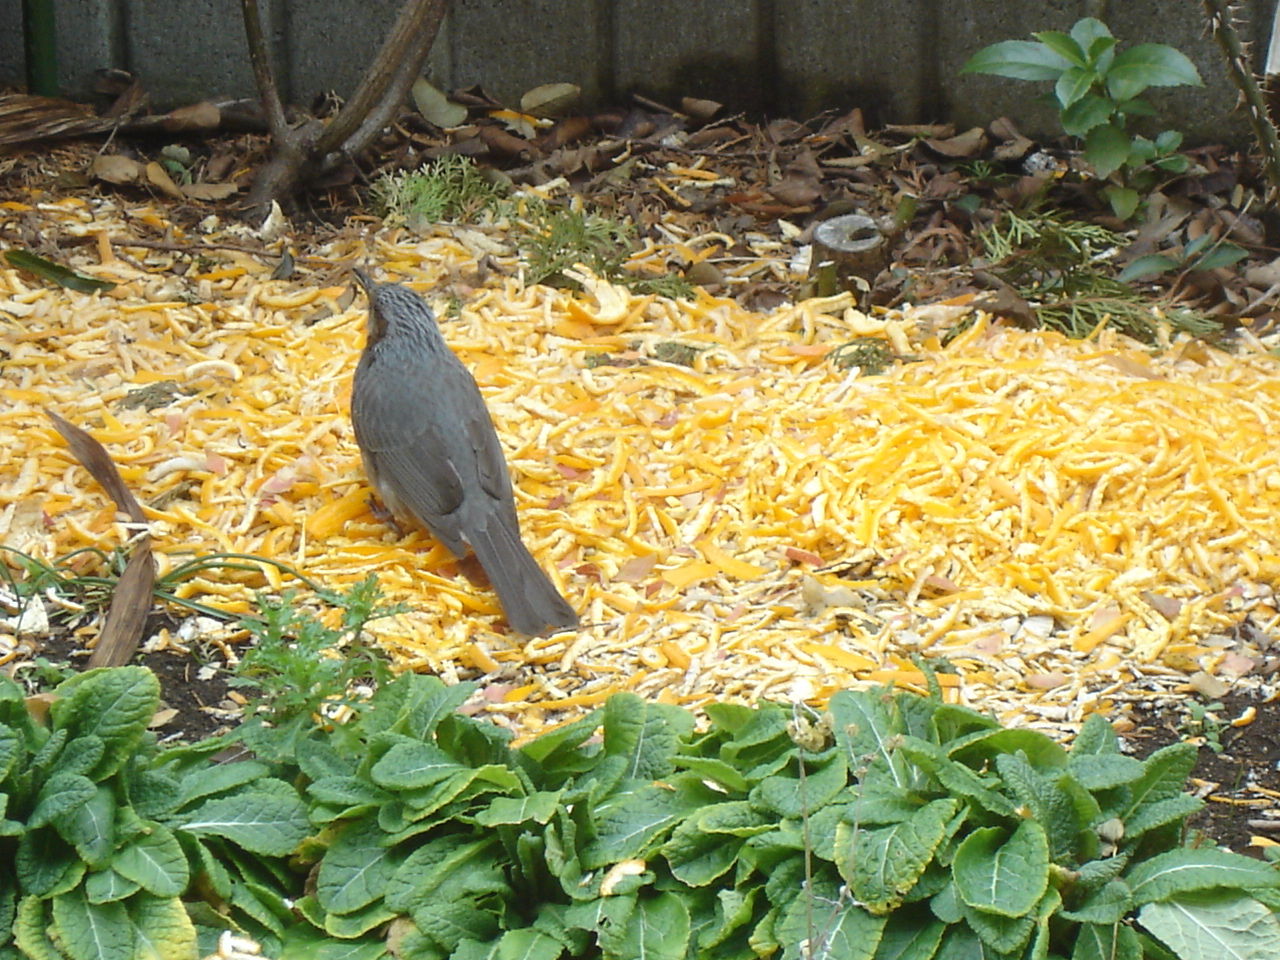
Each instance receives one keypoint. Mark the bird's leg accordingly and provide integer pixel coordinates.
(384, 515)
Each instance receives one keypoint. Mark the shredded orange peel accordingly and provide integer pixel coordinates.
(1003, 481)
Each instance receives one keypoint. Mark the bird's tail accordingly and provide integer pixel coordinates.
(529, 599)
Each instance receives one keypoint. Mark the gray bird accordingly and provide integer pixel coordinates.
(431, 452)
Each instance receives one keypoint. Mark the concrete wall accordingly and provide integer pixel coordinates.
(897, 59)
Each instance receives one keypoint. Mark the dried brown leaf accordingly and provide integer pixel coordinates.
(161, 180)
(114, 168)
(550, 99)
(130, 604)
(198, 116)
(209, 191)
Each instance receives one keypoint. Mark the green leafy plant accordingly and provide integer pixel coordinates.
(1205, 252)
(553, 236)
(450, 187)
(556, 237)
(1203, 720)
(1060, 267)
(1097, 92)
(891, 826)
(298, 665)
(99, 845)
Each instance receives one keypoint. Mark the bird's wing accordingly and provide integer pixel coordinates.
(402, 433)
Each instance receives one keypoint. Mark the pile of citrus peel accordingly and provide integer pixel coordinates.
(1058, 525)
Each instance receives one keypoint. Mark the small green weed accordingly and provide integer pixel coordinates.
(1096, 91)
(299, 665)
(1060, 267)
(451, 187)
(1204, 720)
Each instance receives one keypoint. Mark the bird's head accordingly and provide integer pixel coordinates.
(395, 309)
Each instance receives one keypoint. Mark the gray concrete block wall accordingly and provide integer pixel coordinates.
(897, 59)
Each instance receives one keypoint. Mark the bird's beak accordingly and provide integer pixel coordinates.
(365, 281)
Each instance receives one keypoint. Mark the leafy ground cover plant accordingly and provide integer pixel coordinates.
(554, 237)
(1097, 91)
(891, 826)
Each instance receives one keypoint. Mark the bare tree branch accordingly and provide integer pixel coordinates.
(263, 74)
(302, 152)
(406, 46)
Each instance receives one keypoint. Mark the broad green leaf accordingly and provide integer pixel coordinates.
(31, 931)
(1019, 59)
(1060, 805)
(115, 704)
(264, 823)
(1124, 200)
(46, 865)
(413, 705)
(10, 747)
(524, 944)
(734, 910)
(1039, 750)
(90, 827)
(881, 864)
(1109, 941)
(538, 807)
(107, 885)
(303, 942)
(866, 733)
(1224, 926)
(154, 793)
(1152, 265)
(1093, 874)
(59, 797)
(155, 862)
(1104, 772)
(793, 796)
(1186, 870)
(451, 922)
(629, 822)
(440, 863)
(696, 857)
(910, 935)
(658, 929)
(162, 928)
(1087, 31)
(710, 768)
(1073, 86)
(1107, 148)
(1164, 775)
(348, 792)
(1150, 65)
(1161, 814)
(1004, 935)
(81, 755)
(1111, 904)
(1168, 141)
(62, 276)
(957, 778)
(92, 931)
(841, 928)
(355, 869)
(349, 926)
(1096, 737)
(244, 899)
(1087, 113)
(645, 734)
(1003, 874)
(210, 779)
(1223, 255)
(410, 766)
(1063, 44)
